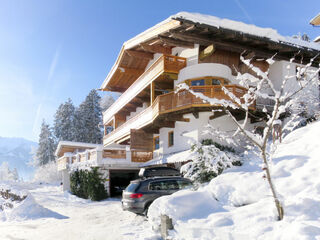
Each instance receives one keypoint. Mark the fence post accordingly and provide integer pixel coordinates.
(166, 224)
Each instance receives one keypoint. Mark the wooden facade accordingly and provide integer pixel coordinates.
(140, 140)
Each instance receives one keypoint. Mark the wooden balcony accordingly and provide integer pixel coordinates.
(139, 156)
(165, 64)
(117, 154)
(172, 102)
(184, 99)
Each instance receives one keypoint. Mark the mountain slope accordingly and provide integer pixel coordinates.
(17, 152)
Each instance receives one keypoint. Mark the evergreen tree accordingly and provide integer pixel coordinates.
(87, 119)
(64, 122)
(79, 125)
(47, 146)
(105, 102)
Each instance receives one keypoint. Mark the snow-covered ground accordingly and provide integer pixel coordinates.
(54, 214)
(235, 205)
(238, 203)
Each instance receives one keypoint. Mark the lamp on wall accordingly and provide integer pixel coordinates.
(208, 51)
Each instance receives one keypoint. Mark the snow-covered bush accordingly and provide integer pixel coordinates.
(209, 159)
(6, 174)
(86, 184)
(47, 173)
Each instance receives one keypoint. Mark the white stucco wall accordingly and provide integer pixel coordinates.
(279, 70)
(192, 54)
(204, 70)
(188, 133)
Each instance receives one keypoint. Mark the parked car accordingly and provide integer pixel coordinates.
(153, 184)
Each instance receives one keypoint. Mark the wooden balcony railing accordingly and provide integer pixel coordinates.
(138, 156)
(165, 64)
(183, 99)
(118, 154)
(171, 102)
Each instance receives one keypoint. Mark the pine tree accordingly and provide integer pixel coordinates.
(79, 125)
(47, 146)
(87, 119)
(105, 102)
(64, 122)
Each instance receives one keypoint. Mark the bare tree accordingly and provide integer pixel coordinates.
(276, 102)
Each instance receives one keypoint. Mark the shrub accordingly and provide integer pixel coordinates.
(208, 161)
(88, 184)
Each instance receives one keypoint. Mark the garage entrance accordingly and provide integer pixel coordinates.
(120, 179)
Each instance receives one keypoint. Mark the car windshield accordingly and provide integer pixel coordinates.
(132, 187)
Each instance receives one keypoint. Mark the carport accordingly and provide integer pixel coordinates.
(120, 179)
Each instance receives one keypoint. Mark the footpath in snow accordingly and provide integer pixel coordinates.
(48, 213)
(238, 203)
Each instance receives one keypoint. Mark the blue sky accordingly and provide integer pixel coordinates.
(53, 50)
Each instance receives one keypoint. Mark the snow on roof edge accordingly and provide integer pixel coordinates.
(251, 29)
(210, 20)
(75, 144)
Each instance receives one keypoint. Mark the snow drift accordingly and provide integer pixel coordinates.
(238, 203)
(17, 204)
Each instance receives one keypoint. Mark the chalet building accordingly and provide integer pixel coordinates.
(153, 123)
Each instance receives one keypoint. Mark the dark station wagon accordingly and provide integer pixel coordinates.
(154, 183)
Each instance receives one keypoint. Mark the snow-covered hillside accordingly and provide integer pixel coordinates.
(238, 203)
(17, 152)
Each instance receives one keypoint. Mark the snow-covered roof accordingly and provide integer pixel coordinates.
(210, 22)
(182, 156)
(237, 26)
(75, 145)
(317, 39)
(251, 29)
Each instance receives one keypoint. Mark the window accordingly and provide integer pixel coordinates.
(184, 184)
(156, 143)
(155, 186)
(216, 82)
(170, 139)
(164, 185)
(108, 129)
(171, 185)
(199, 82)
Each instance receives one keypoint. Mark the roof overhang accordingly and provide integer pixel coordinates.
(186, 29)
(68, 146)
(135, 51)
(316, 20)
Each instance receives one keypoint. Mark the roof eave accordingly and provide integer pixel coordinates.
(150, 33)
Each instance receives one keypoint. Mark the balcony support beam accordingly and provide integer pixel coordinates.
(152, 92)
(177, 119)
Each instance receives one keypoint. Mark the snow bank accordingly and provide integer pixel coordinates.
(30, 209)
(238, 203)
(182, 206)
(17, 204)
